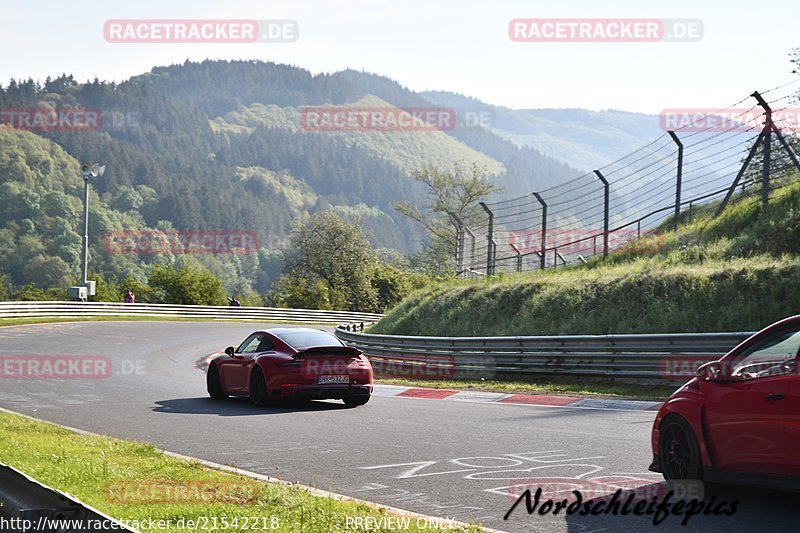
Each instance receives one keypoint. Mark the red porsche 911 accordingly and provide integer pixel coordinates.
(291, 363)
(738, 420)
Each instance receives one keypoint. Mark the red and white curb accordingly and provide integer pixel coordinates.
(514, 399)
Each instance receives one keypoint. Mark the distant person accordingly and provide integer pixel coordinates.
(234, 302)
(130, 298)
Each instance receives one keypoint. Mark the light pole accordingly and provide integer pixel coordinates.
(87, 171)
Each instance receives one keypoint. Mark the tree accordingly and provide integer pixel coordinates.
(48, 272)
(458, 191)
(393, 284)
(336, 252)
(187, 284)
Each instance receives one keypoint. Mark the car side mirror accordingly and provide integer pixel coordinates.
(229, 350)
(711, 371)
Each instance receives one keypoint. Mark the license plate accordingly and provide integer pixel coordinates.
(326, 380)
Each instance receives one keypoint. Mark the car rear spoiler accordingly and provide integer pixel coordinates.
(334, 351)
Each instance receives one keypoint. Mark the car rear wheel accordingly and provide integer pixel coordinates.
(679, 453)
(214, 384)
(355, 401)
(258, 388)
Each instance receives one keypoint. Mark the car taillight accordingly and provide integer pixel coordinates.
(293, 364)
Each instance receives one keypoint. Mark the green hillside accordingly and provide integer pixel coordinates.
(407, 150)
(209, 146)
(737, 272)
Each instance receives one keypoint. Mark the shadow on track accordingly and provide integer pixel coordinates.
(241, 407)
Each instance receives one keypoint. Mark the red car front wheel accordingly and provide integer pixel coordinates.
(679, 453)
(214, 384)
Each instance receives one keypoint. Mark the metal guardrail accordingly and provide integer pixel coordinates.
(636, 358)
(90, 309)
(27, 505)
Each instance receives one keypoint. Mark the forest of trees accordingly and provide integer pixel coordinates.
(169, 169)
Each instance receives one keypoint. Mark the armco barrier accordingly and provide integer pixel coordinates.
(27, 505)
(637, 358)
(90, 309)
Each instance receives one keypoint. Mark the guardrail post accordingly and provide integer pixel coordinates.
(679, 178)
(489, 240)
(606, 204)
(543, 251)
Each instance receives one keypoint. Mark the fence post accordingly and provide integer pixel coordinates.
(606, 203)
(489, 240)
(519, 257)
(765, 163)
(468, 264)
(679, 178)
(746, 163)
(494, 256)
(459, 243)
(542, 256)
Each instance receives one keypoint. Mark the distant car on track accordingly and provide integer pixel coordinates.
(291, 363)
(738, 420)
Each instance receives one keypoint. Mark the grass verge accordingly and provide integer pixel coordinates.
(573, 387)
(103, 471)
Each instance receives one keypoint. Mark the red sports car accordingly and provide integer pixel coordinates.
(739, 419)
(284, 363)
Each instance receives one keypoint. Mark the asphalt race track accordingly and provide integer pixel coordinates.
(443, 458)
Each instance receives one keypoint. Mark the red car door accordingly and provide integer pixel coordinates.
(745, 421)
(235, 370)
(792, 417)
(746, 409)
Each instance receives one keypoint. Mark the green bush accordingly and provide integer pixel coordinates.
(186, 285)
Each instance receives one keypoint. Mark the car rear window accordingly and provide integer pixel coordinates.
(300, 340)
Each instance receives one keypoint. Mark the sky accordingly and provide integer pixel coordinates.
(459, 46)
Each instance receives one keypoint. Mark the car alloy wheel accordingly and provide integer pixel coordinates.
(258, 388)
(678, 450)
(214, 384)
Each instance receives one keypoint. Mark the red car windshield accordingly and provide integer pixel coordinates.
(300, 340)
